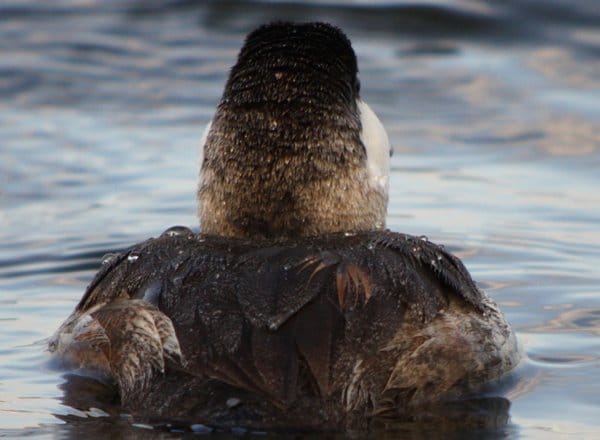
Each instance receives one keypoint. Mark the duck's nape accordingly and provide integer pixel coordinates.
(292, 149)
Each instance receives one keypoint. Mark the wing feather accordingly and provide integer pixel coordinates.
(264, 316)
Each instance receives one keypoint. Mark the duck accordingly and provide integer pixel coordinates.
(294, 306)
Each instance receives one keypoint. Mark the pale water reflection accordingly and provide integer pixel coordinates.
(493, 113)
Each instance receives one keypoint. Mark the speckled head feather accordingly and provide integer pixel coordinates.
(285, 154)
(285, 64)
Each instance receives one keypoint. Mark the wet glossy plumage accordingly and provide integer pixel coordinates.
(304, 332)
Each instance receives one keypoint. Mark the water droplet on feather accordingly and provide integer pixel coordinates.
(175, 231)
(108, 258)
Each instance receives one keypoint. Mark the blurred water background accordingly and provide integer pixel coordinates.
(493, 108)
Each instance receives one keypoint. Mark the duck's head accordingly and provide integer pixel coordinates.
(292, 149)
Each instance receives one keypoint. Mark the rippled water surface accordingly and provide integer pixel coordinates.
(493, 109)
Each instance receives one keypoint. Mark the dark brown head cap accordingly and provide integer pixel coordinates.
(282, 62)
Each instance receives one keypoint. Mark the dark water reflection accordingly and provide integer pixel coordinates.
(483, 416)
(493, 111)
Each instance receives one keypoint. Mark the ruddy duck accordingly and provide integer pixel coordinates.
(294, 307)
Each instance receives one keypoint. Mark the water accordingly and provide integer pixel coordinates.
(492, 107)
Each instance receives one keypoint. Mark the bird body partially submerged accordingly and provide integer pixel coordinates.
(294, 307)
(327, 328)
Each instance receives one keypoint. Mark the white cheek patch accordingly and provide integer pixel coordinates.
(376, 142)
(203, 144)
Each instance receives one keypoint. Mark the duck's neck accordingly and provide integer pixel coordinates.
(269, 176)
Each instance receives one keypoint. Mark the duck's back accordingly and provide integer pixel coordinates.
(361, 324)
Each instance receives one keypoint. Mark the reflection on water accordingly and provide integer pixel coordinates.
(491, 108)
(578, 320)
(563, 68)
